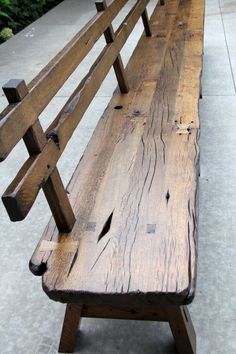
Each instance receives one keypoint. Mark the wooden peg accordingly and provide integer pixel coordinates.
(118, 63)
(35, 140)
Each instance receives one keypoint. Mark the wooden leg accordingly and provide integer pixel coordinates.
(182, 329)
(70, 327)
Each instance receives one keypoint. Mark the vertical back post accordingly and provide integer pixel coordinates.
(35, 140)
(146, 23)
(118, 64)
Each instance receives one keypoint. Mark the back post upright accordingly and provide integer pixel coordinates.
(109, 35)
(35, 140)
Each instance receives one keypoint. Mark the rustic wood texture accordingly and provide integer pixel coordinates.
(70, 328)
(17, 119)
(37, 169)
(35, 140)
(135, 191)
(182, 329)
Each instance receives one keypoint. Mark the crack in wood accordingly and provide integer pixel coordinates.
(167, 196)
(106, 227)
(97, 259)
(73, 262)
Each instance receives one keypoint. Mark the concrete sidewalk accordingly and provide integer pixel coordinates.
(29, 321)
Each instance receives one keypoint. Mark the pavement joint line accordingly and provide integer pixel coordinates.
(219, 95)
(230, 63)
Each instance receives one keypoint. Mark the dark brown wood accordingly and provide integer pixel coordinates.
(145, 313)
(35, 140)
(182, 329)
(162, 2)
(18, 119)
(15, 90)
(118, 63)
(38, 169)
(70, 328)
(146, 23)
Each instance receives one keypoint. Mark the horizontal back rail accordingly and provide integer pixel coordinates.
(41, 90)
(22, 192)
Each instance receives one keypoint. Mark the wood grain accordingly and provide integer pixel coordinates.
(137, 184)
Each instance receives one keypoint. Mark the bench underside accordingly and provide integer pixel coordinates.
(134, 192)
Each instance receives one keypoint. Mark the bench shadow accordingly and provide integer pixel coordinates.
(120, 336)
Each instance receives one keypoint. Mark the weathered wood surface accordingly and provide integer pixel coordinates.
(37, 169)
(134, 192)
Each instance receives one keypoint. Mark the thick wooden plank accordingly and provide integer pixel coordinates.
(16, 120)
(26, 185)
(135, 190)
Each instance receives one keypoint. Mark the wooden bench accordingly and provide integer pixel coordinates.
(122, 242)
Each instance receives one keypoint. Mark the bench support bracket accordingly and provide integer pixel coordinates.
(177, 316)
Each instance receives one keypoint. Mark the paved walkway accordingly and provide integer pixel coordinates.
(29, 321)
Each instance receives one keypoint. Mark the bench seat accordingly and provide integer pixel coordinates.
(135, 190)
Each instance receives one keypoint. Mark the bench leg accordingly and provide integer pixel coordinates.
(69, 329)
(182, 329)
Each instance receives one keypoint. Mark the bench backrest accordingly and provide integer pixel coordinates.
(20, 119)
